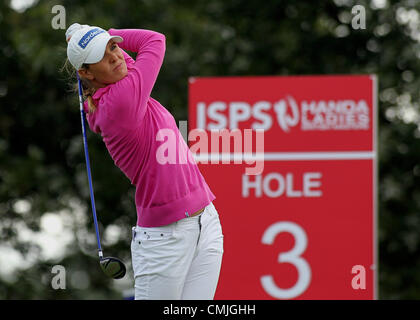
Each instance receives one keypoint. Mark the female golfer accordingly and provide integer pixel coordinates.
(177, 243)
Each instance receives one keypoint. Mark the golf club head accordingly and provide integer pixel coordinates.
(113, 267)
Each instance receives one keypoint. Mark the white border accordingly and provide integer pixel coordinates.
(285, 156)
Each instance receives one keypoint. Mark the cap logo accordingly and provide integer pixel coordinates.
(89, 36)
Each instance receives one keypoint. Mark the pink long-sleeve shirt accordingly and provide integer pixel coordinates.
(137, 130)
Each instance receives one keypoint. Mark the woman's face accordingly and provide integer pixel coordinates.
(110, 69)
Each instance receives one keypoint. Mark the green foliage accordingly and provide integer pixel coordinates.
(41, 152)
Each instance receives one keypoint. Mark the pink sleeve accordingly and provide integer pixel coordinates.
(129, 96)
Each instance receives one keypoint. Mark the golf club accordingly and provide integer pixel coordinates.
(112, 267)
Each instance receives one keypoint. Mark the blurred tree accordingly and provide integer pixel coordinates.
(42, 166)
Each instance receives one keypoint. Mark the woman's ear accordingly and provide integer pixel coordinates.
(84, 73)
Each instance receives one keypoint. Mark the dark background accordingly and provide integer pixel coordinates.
(42, 169)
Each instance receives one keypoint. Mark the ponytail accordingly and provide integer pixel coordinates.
(91, 104)
(87, 89)
(88, 92)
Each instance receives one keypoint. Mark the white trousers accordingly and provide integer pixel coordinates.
(178, 261)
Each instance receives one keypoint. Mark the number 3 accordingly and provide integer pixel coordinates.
(293, 256)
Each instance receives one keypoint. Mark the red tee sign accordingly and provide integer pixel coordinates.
(304, 226)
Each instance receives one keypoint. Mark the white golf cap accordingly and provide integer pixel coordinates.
(73, 28)
(87, 44)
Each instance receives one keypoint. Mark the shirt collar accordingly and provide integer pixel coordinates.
(98, 93)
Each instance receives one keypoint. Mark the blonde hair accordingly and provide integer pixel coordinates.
(87, 89)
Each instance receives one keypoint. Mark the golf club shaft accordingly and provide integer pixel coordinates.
(92, 198)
